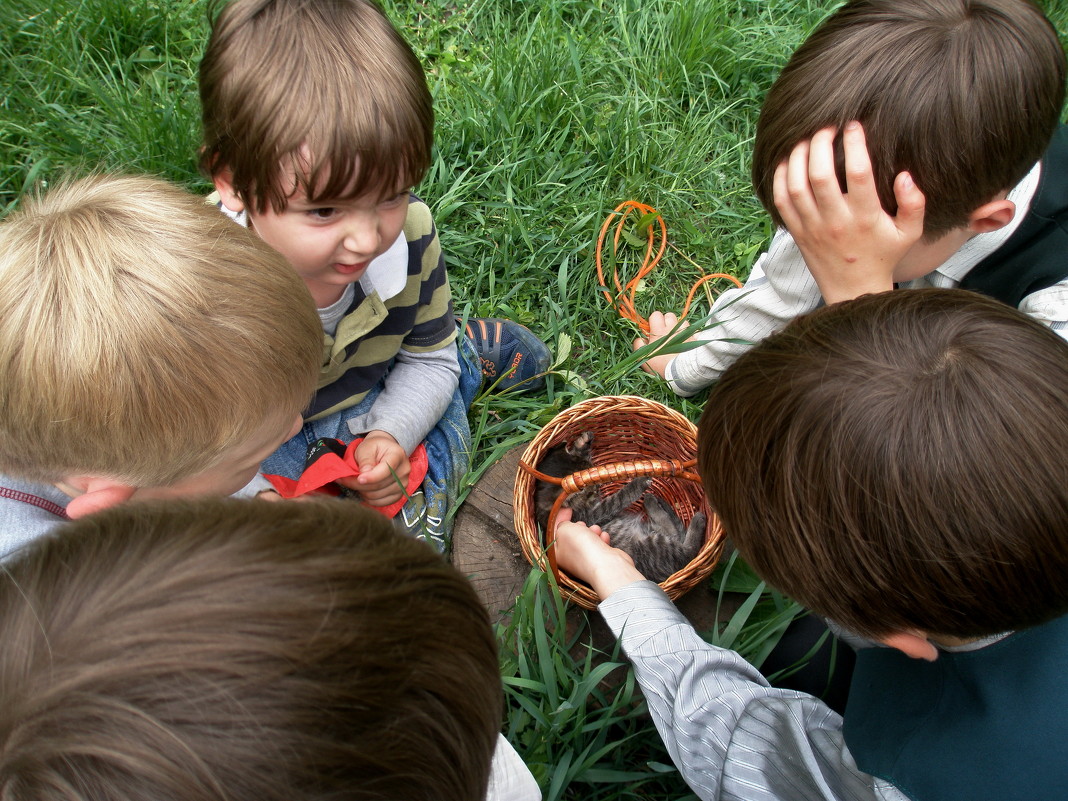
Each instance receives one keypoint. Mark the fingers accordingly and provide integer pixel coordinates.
(860, 178)
(381, 493)
(821, 178)
(792, 192)
(806, 188)
(661, 324)
(391, 493)
(805, 185)
(911, 205)
(384, 470)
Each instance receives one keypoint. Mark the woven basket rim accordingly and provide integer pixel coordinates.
(585, 415)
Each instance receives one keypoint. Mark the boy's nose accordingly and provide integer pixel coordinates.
(362, 237)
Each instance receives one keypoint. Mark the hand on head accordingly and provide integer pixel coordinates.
(586, 553)
(850, 244)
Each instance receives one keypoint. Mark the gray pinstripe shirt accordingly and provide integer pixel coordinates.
(732, 735)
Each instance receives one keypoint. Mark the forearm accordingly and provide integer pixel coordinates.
(779, 289)
(416, 394)
(730, 734)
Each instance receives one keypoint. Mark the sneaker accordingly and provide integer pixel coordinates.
(506, 348)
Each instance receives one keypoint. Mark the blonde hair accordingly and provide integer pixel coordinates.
(325, 96)
(142, 334)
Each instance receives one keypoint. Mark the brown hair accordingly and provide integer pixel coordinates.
(324, 95)
(899, 462)
(963, 94)
(143, 335)
(228, 649)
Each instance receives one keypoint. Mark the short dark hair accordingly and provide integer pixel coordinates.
(900, 462)
(324, 94)
(963, 94)
(186, 651)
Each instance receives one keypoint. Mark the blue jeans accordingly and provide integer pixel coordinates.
(448, 449)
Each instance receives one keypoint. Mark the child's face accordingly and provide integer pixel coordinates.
(331, 243)
(236, 470)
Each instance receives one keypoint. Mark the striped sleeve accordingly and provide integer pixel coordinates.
(434, 326)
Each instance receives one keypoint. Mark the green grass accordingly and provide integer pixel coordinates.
(550, 112)
(577, 716)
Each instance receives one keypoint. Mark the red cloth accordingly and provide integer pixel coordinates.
(319, 477)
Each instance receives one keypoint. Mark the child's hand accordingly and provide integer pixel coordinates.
(583, 551)
(660, 325)
(376, 456)
(851, 245)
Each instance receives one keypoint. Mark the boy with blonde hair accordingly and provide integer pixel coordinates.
(317, 124)
(230, 649)
(907, 143)
(899, 464)
(146, 350)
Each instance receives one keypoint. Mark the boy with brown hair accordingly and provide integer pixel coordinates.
(907, 143)
(145, 351)
(186, 651)
(899, 464)
(317, 124)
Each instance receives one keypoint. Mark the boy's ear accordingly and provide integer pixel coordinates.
(991, 216)
(224, 185)
(911, 643)
(96, 494)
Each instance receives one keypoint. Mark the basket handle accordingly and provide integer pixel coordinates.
(616, 472)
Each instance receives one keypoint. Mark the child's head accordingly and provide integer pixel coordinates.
(321, 96)
(242, 650)
(317, 121)
(146, 339)
(899, 462)
(963, 94)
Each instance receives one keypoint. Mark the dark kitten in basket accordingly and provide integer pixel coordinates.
(658, 542)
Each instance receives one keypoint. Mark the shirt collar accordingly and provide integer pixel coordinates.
(982, 245)
(387, 274)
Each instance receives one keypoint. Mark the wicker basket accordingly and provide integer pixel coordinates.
(632, 437)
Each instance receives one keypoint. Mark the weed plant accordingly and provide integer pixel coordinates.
(549, 113)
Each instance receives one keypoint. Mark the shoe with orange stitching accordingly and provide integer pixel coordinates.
(506, 348)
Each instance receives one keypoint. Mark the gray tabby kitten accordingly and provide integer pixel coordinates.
(659, 544)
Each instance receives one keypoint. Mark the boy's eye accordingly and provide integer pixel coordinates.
(323, 213)
(397, 199)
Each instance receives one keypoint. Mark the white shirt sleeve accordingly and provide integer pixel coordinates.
(1050, 306)
(779, 288)
(510, 778)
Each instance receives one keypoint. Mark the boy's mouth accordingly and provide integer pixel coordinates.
(350, 269)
